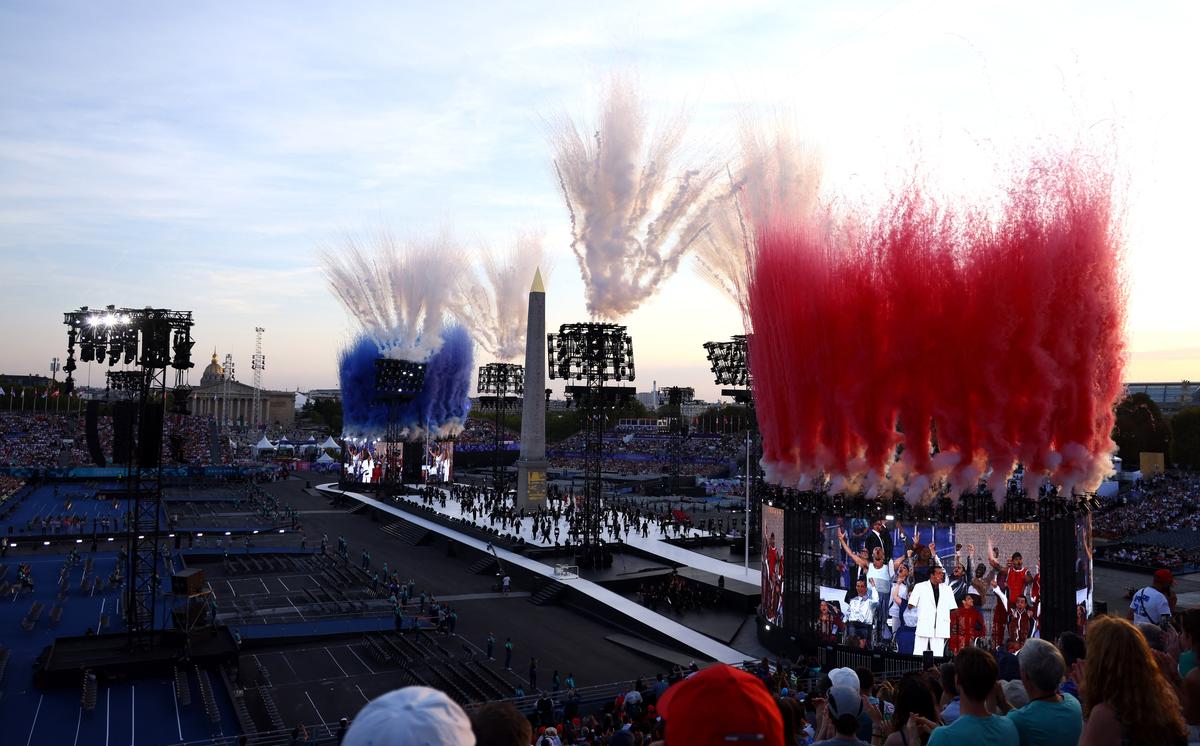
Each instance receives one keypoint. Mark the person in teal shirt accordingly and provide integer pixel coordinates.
(975, 673)
(1050, 718)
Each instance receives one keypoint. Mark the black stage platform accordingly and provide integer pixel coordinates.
(109, 656)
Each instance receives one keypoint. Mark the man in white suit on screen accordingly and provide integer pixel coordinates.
(933, 601)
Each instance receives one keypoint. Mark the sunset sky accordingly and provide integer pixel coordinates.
(197, 156)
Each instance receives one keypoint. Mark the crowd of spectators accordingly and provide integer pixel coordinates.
(1169, 500)
(1160, 503)
(641, 453)
(1123, 684)
(48, 440)
(1150, 555)
(480, 435)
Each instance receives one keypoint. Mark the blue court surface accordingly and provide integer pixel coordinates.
(126, 712)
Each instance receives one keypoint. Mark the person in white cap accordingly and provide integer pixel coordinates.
(412, 716)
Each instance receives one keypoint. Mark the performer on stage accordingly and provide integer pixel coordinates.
(933, 603)
(862, 614)
(966, 622)
(879, 572)
(1013, 579)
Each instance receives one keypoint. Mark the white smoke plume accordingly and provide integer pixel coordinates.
(495, 302)
(398, 292)
(634, 211)
(775, 176)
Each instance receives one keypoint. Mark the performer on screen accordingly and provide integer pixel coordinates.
(772, 580)
(933, 602)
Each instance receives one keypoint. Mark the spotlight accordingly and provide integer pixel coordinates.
(110, 538)
(227, 533)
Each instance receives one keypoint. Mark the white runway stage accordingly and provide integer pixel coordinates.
(685, 636)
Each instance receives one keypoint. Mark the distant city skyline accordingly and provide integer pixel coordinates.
(197, 157)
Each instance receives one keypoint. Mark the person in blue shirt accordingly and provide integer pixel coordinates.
(975, 674)
(1050, 718)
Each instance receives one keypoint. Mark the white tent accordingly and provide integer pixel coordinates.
(264, 445)
(325, 458)
(331, 444)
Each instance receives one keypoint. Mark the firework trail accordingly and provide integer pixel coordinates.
(495, 301)
(634, 212)
(775, 175)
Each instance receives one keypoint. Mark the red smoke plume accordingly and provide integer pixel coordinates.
(974, 342)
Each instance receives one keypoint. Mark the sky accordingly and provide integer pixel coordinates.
(198, 156)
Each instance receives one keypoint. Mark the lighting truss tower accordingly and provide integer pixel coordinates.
(678, 429)
(730, 364)
(501, 386)
(153, 340)
(258, 364)
(396, 383)
(592, 354)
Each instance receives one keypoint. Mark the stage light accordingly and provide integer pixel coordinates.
(281, 530)
(110, 538)
(199, 535)
(256, 530)
(890, 517)
(170, 536)
(227, 533)
(140, 537)
(45, 543)
(79, 541)
(398, 377)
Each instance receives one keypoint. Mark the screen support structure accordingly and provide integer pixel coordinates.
(592, 354)
(397, 382)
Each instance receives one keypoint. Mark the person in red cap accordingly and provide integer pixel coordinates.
(720, 706)
(1155, 601)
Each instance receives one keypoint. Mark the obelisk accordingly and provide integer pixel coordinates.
(531, 467)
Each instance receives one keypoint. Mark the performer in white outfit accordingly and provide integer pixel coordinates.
(933, 601)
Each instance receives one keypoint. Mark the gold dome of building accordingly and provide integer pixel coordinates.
(214, 373)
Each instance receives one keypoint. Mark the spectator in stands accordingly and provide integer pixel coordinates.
(720, 703)
(1155, 601)
(1125, 697)
(1072, 648)
(950, 700)
(844, 707)
(1190, 639)
(975, 675)
(1050, 718)
(501, 724)
(412, 715)
(914, 702)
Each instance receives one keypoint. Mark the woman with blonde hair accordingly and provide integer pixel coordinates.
(1126, 699)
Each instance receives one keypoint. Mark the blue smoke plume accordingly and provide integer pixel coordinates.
(442, 404)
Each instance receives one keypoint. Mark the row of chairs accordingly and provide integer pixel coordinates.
(206, 696)
(183, 690)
